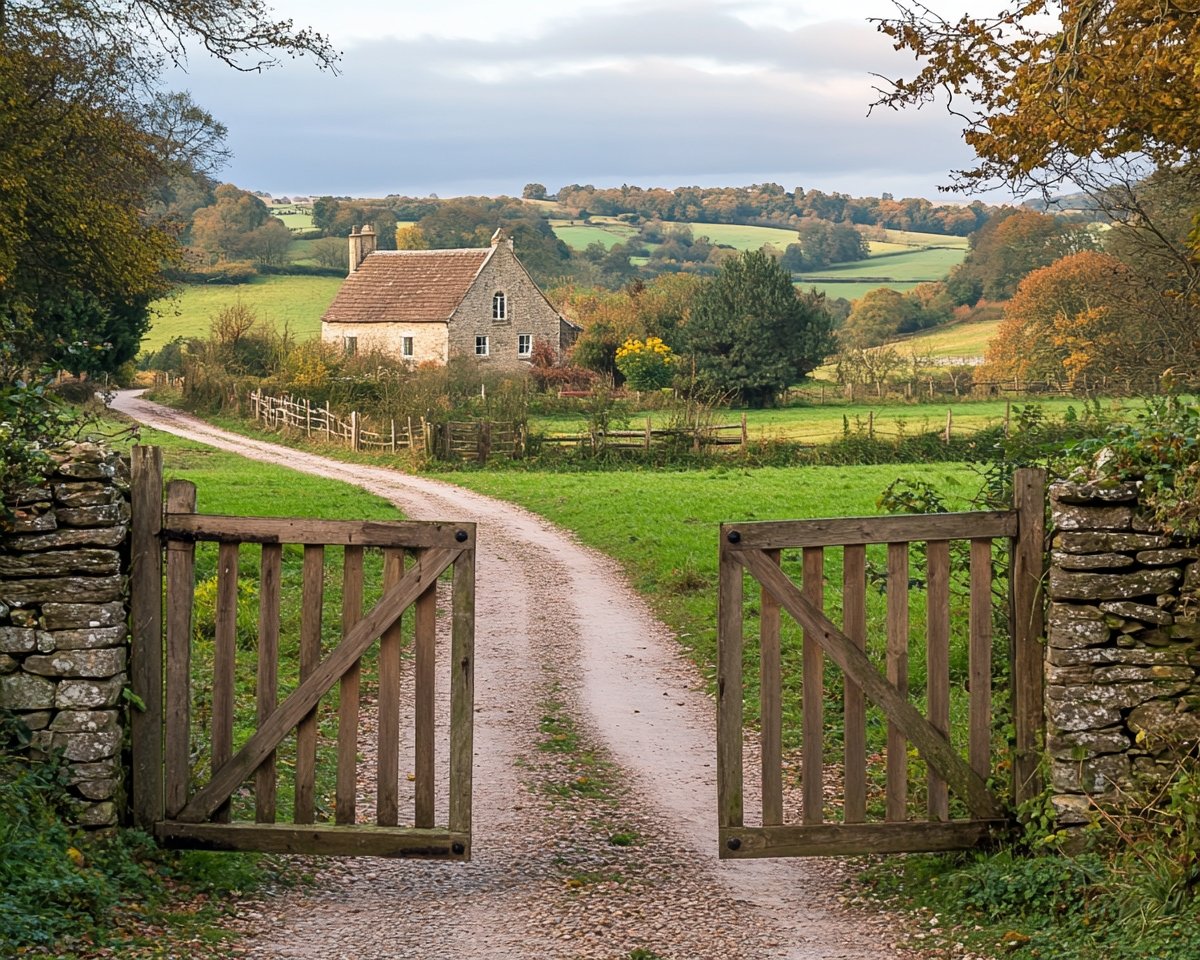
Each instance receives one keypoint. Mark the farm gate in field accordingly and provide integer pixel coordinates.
(237, 804)
(961, 806)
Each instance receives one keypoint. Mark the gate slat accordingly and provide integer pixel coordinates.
(424, 653)
(181, 584)
(937, 664)
(897, 674)
(345, 807)
(224, 662)
(854, 612)
(770, 703)
(730, 805)
(462, 693)
(270, 576)
(812, 720)
(979, 748)
(312, 601)
(387, 787)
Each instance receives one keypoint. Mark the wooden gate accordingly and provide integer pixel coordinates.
(875, 818)
(236, 807)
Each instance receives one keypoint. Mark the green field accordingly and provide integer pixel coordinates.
(852, 291)
(293, 217)
(931, 263)
(954, 340)
(578, 235)
(298, 302)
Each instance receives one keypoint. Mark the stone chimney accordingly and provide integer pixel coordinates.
(362, 245)
(501, 236)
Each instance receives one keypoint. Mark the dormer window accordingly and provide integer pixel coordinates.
(499, 306)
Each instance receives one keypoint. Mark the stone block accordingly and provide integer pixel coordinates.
(1137, 611)
(95, 814)
(64, 590)
(1162, 720)
(1070, 626)
(1118, 695)
(1130, 673)
(106, 662)
(1175, 655)
(1112, 586)
(86, 493)
(98, 789)
(23, 618)
(1071, 809)
(21, 691)
(87, 561)
(28, 521)
(37, 720)
(1166, 558)
(89, 638)
(88, 747)
(1094, 541)
(83, 451)
(1095, 491)
(1091, 518)
(7, 664)
(87, 471)
(1090, 561)
(84, 721)
(18, 640)
(1081, 744)
(1184, 631)
(106, 769)
(89, 694)
(68, 616)
(1065, 715)
(102, 516)
(74, 537)
(1095, 776)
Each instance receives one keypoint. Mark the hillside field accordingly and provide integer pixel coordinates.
(298, 302)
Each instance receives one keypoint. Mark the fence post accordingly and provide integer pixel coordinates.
(1007, 418)
(146, 640)
(647, 434)
(871, 424)
(328, 421)
(353, 429)
(484, 440)
(393, 435)
(307, 417)
(410, 434)
(949, 422)
(746, 432)
(1027, 571)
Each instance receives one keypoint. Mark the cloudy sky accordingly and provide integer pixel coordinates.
(480, 97)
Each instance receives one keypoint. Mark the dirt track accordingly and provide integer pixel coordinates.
(555, 621)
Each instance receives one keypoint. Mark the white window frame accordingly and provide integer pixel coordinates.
(481, 346)
(499, 306)
(406, 347)
(525, 339)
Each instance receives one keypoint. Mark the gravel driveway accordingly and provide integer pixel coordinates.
(558, 873)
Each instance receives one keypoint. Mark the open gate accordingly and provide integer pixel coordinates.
(237, 806)
(876, 669)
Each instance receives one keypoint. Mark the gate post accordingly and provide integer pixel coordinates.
(1027, 573)
(146, 655)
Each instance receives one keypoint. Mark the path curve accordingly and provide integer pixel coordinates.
(556, 618)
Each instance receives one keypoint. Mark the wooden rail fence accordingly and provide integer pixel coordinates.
(169, 798)
(758, 549)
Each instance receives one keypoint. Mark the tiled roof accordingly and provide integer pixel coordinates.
(407, 286)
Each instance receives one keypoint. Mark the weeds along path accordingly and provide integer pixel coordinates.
(574, 856)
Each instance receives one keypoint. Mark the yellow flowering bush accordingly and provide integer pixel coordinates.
(646, 364)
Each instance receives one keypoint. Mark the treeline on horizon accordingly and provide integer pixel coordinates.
(760, 204)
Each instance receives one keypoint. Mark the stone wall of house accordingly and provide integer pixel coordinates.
(1123, 646)
(63, 634)
(527, 312)
(429, 339)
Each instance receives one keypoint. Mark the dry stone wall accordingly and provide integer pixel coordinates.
(1123, 647)
(63, 634)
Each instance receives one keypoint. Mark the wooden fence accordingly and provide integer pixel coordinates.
(474, 440)
(696, 437)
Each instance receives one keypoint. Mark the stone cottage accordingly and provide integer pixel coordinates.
(435, 305)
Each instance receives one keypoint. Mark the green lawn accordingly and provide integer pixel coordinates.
(293, 217)
(578, 235)
(298, 302)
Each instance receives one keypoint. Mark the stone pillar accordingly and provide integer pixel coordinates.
(1122, 654)
(63, 614)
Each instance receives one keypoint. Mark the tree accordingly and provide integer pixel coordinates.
(878, 316)
(534, 191)
(410, 238)
(751, 335)
(88, 143)
(1072, 318)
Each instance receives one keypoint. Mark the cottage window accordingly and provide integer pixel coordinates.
(406, 346)
(499, 306)
(481, 346)
(524, 344)
(350, 346)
